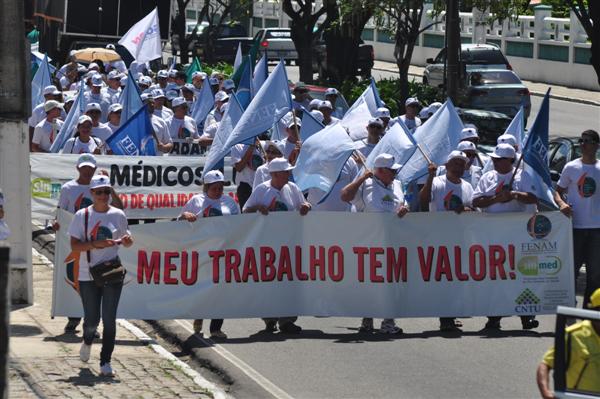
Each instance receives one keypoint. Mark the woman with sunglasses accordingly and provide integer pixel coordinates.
(83, 142)
(96, 233)
(211, 202)
(378, 191)
(273, 149)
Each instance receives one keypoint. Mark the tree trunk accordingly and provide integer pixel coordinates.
(342, 52)
(453, 51)
(594, 11)
(303, 40)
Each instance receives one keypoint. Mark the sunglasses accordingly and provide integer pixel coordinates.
(470, 155)
(587, 141)
(105, 192)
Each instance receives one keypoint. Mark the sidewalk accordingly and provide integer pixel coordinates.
(537, 89)
(45, 361)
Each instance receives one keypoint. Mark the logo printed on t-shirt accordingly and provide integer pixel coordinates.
(82, 202)
(500, 187)
(277, 206)
(586, 186)
(101, 233)
(210, 211)
(452, 202)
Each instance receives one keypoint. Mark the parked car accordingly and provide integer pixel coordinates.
(277, 43)
(189, 29)
(472, 56)
(498, 90)
(489, 125)
(226, 45)
(562, 150)
(364, 60)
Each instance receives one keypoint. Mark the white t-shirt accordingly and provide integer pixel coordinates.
(182, 128)
(113, 95)
(203, 206)
(246, 175)
(581, 182)
(492, 183)
(448, 196)
(75, 146)
(162, 131)
(211, 122)
(112, 127)
(39, 114)
(261, 175)
(411, 124)
(45, 132)
(365, 147)
(102, 131)
(471, 175)
(74, 196)
(333, 202)
(288, 147)
(111, 224)
(289, 198)
(374, 196)
(102, 98)
(164, 113)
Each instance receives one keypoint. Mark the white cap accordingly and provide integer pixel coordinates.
(214, 74)
(228, 84)
(96, 80)
(332, 91)
(318, 115)
(375, 122)
(158, 93)
(115, 108)
(468, 133)
(51, 104)
(203, 75)
(221, 96)
(114, 74)
(146, 96)
(93, 107)
(171, 95)
(189, 87)
(457, 154)
(386, 161)
(507, 138)
(279, 165)
(110, 46)
(274, 143)
(99, 181)
(290, 123)
(382, 112)
(325, 104)
(504, 151)
(213, 81)
(69, 99)
(213, 176)
(172, 73)
(83, 119)
(178, 101)
(162, 74)
(411, 101)
(145, 80)
(93, 65)
(466, 146)
(425, 112)
(314, 103)
(86, 160)
(51, 90)
(123, 80)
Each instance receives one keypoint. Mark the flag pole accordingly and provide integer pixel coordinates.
(424, 154)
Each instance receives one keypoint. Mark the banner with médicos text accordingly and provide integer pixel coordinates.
(338, 264)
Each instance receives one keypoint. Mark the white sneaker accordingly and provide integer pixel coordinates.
(388, 326)
(84, 352)
(106, 370)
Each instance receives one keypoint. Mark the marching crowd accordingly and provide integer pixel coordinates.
(264, 178)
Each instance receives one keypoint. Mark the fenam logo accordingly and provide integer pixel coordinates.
(539, 226)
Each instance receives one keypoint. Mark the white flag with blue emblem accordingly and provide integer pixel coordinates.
(143, 39)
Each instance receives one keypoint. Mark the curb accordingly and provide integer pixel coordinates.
(534, 93)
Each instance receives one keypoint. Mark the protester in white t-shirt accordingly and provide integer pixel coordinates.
(273, 149)
(579, 181)
(181, 126)
(448, 193)
(160, 109)
(410, 118)
(292, 143)
(473, 172)
(39, 113)
(97, 96)
(113, 91)
(45, 132)
(163, 143)
(246, 159)
(378, 191)
(96, 233)
(114, 116)
(212, 202)
(211, 123)
(374, 133)
(327, 110)
(384, 114)
(100, 130)
(83, 141)
(333, 201)
(497, 192)
(278, 194)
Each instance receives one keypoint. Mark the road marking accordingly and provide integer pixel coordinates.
(239, 363)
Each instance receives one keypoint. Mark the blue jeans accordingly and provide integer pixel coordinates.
(92, 298)
(586, 249)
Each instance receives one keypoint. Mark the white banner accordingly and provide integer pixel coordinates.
(184, 148)
(142, 40)
(150, 187)
(338, 264)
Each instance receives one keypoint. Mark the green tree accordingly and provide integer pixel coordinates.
(589, 16)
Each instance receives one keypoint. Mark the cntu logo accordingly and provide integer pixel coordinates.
(527, 302)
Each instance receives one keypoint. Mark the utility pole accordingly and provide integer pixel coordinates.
(453, 49)
(15, 106)
(4, 320)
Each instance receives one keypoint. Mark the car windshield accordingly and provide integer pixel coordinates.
(232, 31)
(484, 57)
(489, 125)
(493, 78)
(278, 34)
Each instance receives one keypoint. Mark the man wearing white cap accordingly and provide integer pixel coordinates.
(275, 195)
(472, 172)
(427, 112)
(181, 126)
(378, 191)
(228, 86)
(273, 149)
(160, 109)
(384, 114)
(162, 77)
(327, 109)
(163, 143)
(509, 139)
(114, 116)
(410, 118)
(100, 130)
(45, 132)
(38, 114)
(188, 92)
(144, 83)
(331, 95)
(497, 192)
(374, 133)
(292, 143)
(198, 79)
(211, 123)
(314, 104)
(469, 133)
(114, 86)
(246, 159)
(97, 96)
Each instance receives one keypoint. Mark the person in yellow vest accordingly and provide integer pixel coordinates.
(582, 353)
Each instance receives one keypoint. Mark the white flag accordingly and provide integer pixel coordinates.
(143, 39)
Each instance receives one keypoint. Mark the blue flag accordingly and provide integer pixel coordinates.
(232, 115)
(357, 117)
(134, 137)
(398, 141)
(130, 99)
(203, 104)
(272, 101)
(244, 89)
(535, 155)
(68, 128)
(322, 158)
(310, 126)
(437, 137)
(42, 78)
(261, 73)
